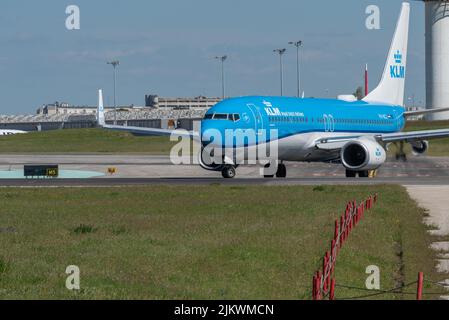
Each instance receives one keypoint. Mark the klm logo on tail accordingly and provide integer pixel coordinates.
(397, 71)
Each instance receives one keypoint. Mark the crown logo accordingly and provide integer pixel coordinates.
(398, 57)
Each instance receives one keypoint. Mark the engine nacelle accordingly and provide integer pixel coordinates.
(363, 154)
(419, 147)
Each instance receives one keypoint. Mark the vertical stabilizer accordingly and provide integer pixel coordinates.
(391, 87)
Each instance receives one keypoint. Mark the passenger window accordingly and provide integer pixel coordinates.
(208, 116)
(236, 117)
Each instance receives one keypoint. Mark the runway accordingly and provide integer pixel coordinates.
(151, 170)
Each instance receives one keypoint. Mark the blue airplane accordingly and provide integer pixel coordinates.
(344, 130)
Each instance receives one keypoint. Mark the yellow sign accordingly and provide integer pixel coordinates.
(52, 172)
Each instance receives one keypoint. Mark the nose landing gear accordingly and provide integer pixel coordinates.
(228, 172)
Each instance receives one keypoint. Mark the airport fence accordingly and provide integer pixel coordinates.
(324, 282)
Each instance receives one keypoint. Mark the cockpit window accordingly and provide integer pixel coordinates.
(221, 116)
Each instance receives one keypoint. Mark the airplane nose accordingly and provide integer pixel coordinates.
(206, 133)
(211, 133)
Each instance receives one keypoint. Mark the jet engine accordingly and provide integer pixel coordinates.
(419, 147)
(363, 154)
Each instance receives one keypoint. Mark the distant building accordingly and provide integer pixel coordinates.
(171, 113)
(154, 101)
(151, 101)
(58, 108)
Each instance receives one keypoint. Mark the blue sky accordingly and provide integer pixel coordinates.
(167, 47)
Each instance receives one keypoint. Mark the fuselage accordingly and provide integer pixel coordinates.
(295, 123)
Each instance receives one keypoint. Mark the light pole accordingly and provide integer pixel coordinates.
(281, 52)
(297, 44)
(223, 88)
(115, 64)
(412, 100)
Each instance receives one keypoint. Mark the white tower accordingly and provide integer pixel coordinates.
(437, 57)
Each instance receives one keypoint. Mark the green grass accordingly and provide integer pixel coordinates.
(201, 242)
(84, 141)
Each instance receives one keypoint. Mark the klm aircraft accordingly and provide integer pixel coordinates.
(344, 130)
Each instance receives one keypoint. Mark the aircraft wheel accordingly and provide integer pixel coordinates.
(282, 171)
(228, 172)
(364, 174)
(350, 174)
(401, 156)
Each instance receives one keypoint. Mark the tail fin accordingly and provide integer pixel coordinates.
(100, 110)
(391, 87)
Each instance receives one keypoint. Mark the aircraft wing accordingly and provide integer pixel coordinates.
(153, 131)
(140, 130)
(423, 112)
(413, 135)
(336, 143)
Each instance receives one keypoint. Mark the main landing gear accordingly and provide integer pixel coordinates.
(281, 171)
(361, 174)
(400, 153)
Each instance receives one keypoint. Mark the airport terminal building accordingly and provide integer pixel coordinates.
(158, 112)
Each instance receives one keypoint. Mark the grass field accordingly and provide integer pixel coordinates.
(104, 141)
(201, 242)
(84, 141)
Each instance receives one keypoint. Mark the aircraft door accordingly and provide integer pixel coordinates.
(258, 121)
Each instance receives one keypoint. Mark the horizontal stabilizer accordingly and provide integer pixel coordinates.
(427, 111)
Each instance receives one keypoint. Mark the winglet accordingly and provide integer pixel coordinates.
(391, 87)
(100, 111)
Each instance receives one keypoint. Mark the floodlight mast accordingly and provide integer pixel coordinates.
(297, 44)
(115, 64)
(281, 66)
(223, 88)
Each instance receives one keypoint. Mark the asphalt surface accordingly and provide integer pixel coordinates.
(94, 182)
(150, 170)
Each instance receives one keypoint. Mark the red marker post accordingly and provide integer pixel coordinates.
(420, 286)
(332, 290)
